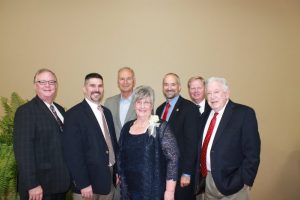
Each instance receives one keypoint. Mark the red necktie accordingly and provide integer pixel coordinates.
(205, 145)
(164, 117)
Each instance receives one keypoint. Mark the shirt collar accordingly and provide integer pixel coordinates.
(173, 101)
(92, 104)
(127, 99)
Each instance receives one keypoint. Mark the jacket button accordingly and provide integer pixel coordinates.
(106, 152)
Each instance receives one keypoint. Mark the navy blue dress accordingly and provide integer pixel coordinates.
(145, 162)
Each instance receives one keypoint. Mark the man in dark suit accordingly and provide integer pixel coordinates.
(196, 89)
(42, 172)
(182, 116)
(230, 152)
(90, 143)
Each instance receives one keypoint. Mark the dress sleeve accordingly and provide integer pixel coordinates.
(170, 151)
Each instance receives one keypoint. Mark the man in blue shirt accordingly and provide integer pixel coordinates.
(182, 116)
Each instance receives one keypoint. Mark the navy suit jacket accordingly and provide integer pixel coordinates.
(85, 149)
(38, 149)
(199, 188)
(183, 122)
(202, 120)
(235, 152)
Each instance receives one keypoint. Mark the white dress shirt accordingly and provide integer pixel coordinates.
(97, 114)
(219, 117)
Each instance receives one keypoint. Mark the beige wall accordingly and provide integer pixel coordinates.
(254, 44)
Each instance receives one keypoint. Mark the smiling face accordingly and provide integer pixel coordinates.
(197, 90)
(217, 95)
(45, 86)
(143, 107)
(126, 81)
(93, 90)
(171, 86)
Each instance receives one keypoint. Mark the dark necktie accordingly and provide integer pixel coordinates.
(199, 108)
(164, 117)
(203, 166)
(107, 137)
(60, 123)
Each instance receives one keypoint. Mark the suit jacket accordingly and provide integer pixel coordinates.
(183, 122)
(38, 149)
(113, 104)
(199, 185)
(235, 152)
(85, 148)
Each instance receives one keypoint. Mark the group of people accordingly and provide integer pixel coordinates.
(206, 148)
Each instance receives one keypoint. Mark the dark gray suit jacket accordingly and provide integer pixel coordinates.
(38, 149)
(85, 148)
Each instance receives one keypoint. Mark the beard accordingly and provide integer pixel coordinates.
(170, 94)
(96, 97)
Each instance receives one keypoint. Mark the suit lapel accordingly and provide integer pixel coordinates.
(160, 109)
(90, 115)
(117, 106)
(45, 109)
(130, 114)
(224, 121)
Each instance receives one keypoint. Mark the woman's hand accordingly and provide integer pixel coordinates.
(169, 195)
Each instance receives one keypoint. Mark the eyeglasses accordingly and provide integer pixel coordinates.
(43, 82)
(144, 103)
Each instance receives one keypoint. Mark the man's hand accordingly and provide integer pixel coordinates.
(185, 180)
(87, 193)
(36, 193)
(118, 180)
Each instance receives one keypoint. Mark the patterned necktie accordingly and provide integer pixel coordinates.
(203, 166)
(164, 117)
(107, 137)
(60, 123)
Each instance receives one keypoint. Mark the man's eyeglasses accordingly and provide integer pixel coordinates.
(43, 82)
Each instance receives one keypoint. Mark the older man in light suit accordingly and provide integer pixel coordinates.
(121, 105)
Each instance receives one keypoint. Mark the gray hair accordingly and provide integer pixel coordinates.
(126, 68)
(142, 92)
(220, 80)
(42, 70)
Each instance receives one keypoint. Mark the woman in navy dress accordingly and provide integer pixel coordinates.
(148, 154)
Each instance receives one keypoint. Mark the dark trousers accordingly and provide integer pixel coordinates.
(184, 193)
(59, 196)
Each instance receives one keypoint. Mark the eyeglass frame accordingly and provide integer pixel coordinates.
(44, 82)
